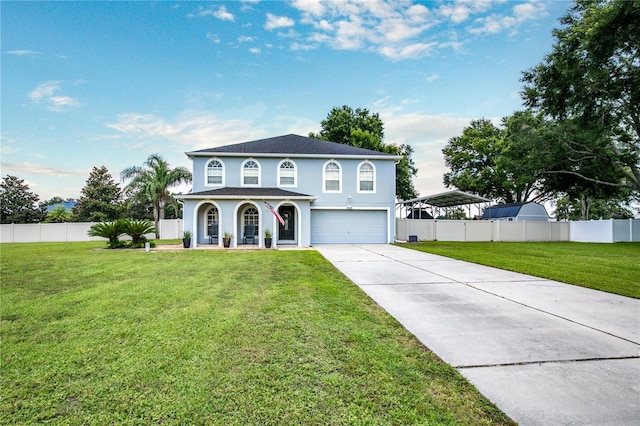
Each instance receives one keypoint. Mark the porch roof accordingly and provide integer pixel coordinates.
(231, 193)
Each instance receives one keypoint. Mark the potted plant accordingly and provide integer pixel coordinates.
(267, 238)
(186, 239)
(226, 239)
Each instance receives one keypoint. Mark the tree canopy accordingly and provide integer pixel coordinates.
(590, 84)
(152, 182)
(17, 203)
(363, 129)
(101, 198)
(498, 163)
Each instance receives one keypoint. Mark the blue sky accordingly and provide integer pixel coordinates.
(108, 83)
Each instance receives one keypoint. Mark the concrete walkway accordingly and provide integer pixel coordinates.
(544, 352)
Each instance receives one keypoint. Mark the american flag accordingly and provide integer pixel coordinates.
(275, 213)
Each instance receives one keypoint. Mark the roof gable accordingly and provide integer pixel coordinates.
(291, 145)
(502, 210)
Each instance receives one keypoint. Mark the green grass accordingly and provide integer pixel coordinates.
(210, 337)
(614, 268)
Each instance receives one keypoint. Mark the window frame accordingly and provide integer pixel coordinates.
(359, 179)
(295, 174)
(324, 178)
(206, 172)
(242, 173)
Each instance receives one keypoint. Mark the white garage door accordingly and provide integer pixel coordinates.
(348, 226)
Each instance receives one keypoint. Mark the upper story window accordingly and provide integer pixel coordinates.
(250, 173)
(215, 173)
(366, 177)
(287, 173)
(332, 177)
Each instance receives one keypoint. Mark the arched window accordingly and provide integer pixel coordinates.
(251, 217)
(332, 177)
(366, 177)
(215, 172)
(250, 173)
(287, 173)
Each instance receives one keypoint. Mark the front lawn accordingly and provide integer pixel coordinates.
(209, 337)
(614, 268)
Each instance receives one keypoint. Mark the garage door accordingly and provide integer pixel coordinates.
(348, 226)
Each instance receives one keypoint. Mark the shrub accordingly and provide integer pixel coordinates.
(110, 230)
(137, 229)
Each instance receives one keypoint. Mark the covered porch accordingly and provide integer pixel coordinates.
(249, 216)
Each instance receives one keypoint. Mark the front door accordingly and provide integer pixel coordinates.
(286, 231)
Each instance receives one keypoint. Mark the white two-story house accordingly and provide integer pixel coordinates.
(325, 192)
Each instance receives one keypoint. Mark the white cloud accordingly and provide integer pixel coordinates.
(45, 94)
(410, 51)
(387, 27)
(311, 8)
(192, 129)
(289, 34)
(274, 22)
(40, 169)
(212, 37)
(219, 13)
(401, 30)
(245, 39)
(4, 149)
(255, 50)
(23, 52)
(496, 23)
(302, 46)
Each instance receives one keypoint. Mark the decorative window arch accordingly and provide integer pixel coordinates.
(287, 173)
(251, 216)
(250, 173)
(366, 177)
(214, 172)
(332, 177)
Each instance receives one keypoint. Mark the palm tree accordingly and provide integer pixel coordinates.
(152, 181)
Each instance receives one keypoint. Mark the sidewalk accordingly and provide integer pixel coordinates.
(544, 352)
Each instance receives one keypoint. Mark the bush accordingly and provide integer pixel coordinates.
(110, 230)
(136, 229)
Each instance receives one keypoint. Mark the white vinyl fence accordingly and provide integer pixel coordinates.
(73, 231)
(480, 230)
(605, 231)
(596, 231)
(599, 231)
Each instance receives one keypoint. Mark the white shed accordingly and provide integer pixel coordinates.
(516, 212)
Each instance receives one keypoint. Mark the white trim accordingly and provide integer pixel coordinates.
(271, 155)
(347, 208)
(295, 173)
(375, 173)
(243, 197)
(205, 215)
(298, 221)
(194, 243)
(235, 220)
(206, 175)
(324, 177)
(244, 185)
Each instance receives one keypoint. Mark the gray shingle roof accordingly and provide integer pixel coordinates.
(292, 145)
(248, 192)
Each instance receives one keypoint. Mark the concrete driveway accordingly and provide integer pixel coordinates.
(546, 353)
